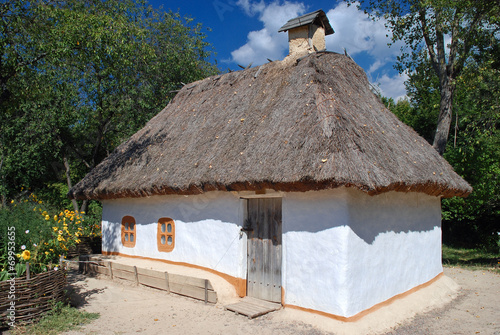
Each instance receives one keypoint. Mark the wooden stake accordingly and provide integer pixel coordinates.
(206, 291)
(136, 276)
(27, 270)
(166, 282)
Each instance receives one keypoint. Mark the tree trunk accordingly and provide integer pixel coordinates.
(444, 120)
(85, 206)
(68, 180)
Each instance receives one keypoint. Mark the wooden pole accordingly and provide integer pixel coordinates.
(166, 282)
(136, 276)
(27, 270)
(110, 270)
(206, 291)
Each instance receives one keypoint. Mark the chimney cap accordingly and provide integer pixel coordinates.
(317, 17)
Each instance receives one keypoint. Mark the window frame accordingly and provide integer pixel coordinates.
(125, 231)
(165, 247)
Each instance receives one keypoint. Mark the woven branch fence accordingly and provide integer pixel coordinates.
(24, 300)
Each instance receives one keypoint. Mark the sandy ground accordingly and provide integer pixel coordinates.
(442, 308)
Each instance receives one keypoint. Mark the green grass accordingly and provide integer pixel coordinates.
(471, 258)
(62, 318)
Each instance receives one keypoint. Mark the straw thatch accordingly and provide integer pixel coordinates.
(292, 126)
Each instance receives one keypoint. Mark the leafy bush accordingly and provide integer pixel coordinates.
(42, 235)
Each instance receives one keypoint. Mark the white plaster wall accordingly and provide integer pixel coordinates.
(207, 229)
(346, 251)
(394, 244)
(314, 242)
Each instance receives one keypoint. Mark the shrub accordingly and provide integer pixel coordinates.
(42, 234)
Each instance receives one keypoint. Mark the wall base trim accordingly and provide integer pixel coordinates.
(239, 284)
(372, 309)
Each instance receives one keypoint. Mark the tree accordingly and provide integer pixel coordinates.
(425, 26)
(108, 67)
(475, 153)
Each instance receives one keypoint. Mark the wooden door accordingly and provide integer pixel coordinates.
(263, 225)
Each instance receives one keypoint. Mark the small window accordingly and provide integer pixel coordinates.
(166, 234)
(128, 232)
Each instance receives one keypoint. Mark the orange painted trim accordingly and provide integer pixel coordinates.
(239, 284)
(128, 220)
(159, 234)
(369, 310)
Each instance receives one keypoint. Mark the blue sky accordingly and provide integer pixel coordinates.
(246, 31)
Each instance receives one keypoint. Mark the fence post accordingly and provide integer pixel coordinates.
(27, 270)
(166, 282)
(206, 291)
(61, 262)
(136, 276)
(110, 270)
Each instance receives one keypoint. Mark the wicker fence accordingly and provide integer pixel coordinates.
(23, 300)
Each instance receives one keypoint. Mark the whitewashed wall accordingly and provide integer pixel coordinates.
(343, 250)
(207, 229)
(346, 251)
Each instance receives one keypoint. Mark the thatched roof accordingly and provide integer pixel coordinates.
(292, 126)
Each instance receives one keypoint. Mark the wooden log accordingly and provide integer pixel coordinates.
(127, 275)
(186, 280)
(150, 273)
(153, 282)
(118, 266)
(193, 292)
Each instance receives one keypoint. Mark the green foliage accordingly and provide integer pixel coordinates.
(60, 319)
(40, 234)
(94, 73)
(423, 26)
(474, 151)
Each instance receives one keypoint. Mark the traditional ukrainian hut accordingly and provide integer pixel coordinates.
(291, 180)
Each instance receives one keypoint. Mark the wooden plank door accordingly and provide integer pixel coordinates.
(263, 225)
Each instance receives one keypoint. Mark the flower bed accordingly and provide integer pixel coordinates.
(25, 300)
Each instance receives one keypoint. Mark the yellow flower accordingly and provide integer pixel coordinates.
(47, 217)
(46, 252)
(77, 241)
(60, 232)
(26, 255)
(18, 255)
(51, 250)
(12, 201)
(60, 238)
(55, 228)
(55, 217)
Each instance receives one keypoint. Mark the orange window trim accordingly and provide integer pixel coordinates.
(129, 231)
(166, 238)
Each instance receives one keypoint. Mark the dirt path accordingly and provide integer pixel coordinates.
(475, 311)
(126, 309)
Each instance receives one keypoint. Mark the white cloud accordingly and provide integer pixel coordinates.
(357, 33)
(267, 42)
(392, 87)
(354, 31)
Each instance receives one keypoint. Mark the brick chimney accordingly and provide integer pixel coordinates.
(306, 33)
